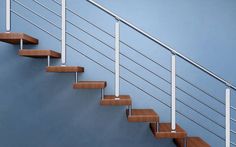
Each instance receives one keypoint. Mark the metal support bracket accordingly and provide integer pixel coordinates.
(117, 98)
(130, 110)
(158, 127)
(102, 93)
(21, 44)
(76, 77)
(185, 142)
(49, 58)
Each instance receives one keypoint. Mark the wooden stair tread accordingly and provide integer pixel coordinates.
(90, 85)
(109, 100)
(65, 69)
(14, 38)
(39, 53)
(165, 131)
(142, 115)
(191, 142)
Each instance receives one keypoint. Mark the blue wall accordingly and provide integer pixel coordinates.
(42, 109)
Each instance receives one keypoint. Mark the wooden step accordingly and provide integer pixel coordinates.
(142, 115)
(14, 38)
(165, 131)
(65, 69)
(90, 85)
(110, 100)
(39, 53)
(191, 142)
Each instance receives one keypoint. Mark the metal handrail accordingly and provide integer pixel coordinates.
(109, 70)
(126, 44)
(232, 131)
(131, 59)
(163, 44)
(124, 55)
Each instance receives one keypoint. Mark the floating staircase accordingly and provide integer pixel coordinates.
(142, 115)
(159, 130)
(111, 100)
(39, 53)
(90, 85)
(65, 69)
(15, 38)
(163, 130)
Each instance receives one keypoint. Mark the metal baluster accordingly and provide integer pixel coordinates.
(173, 93)
(8, 15)
(227, 117)
(63, 32)
(117, 59)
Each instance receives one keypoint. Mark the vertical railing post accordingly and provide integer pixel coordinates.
(8, 15)
(117, 59)
(63, 32)
(227, 117)
(173, 92)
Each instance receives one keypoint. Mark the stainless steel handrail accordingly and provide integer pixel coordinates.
(136, 50)
(124, 54)
(121, 53)
(163, 44)
(232, 131)
(106, 68)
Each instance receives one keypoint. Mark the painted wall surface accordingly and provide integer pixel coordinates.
(42, 110)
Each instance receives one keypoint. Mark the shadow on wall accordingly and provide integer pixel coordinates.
(42, 109)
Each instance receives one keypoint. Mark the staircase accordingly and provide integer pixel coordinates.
(160, 130)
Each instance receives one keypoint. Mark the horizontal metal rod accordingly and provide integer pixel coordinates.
(168, 94)
(233, 120)
(149, 82)
(37, 14)
(233, 143)
(232, 131)
(163, 44)
(112, 72)
(141, 89)
(126, 44)
(47, 8)
(17, 14)
(125, 68)
(233, 108)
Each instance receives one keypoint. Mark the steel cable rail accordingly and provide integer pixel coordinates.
(113, 48)
(130, 70)
(80, 40)
(17, 14)
(123, 66)
(147, 69)
(148, 81)
(174, 53)
(109, 34)
(139, 53)
(163, 45)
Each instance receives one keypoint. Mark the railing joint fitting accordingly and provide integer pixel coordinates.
(173, 52)
(228, 85)
(117, 18)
